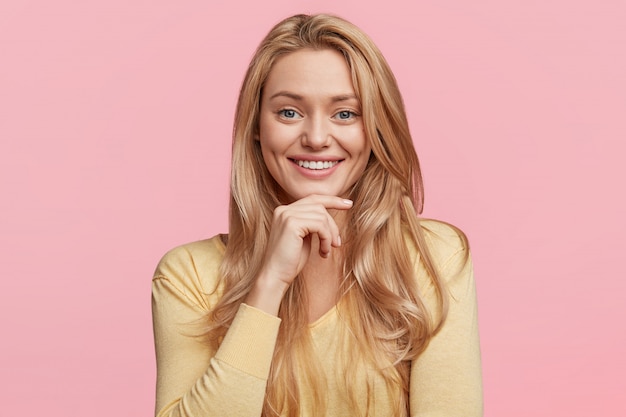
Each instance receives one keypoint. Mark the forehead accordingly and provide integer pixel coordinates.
(310, 71)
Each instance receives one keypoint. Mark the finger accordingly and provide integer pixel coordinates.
(327, 233)
(304, 221)
(311, 219)
(326, 243)
(310, 215)
(328, 201)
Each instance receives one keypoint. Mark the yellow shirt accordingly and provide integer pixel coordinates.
(193, 380)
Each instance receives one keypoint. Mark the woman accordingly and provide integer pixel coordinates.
(329, 296)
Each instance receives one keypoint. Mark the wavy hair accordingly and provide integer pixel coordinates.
(385, 318)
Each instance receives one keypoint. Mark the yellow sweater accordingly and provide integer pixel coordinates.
(193, 380)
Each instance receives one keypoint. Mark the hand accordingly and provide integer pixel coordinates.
(289, 245)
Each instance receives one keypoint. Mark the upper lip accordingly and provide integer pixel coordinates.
(315, 158)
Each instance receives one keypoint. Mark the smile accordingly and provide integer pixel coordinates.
(316, 164)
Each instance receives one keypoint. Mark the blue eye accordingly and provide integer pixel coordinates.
(345, 115)
(288, 113)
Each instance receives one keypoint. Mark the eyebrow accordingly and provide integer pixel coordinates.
(298, 97)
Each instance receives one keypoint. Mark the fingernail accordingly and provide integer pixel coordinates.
(347, 202)
(338, 240)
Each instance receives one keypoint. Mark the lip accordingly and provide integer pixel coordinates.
(315, 158)
(315, 173)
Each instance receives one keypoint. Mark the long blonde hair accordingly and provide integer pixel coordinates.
(381, 306)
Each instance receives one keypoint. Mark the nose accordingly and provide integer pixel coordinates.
(317, 133)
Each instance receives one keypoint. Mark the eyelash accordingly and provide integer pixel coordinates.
(351, 114)
(283, 111)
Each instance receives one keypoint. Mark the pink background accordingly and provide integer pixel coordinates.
(115, 121)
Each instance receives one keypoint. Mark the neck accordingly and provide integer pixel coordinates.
(322, 277)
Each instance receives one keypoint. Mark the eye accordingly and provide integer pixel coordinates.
(288, 114)
(345, 115)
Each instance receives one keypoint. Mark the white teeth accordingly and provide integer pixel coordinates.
(317, 164)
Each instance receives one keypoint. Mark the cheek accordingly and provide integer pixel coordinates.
(271, 152)
(361, 147)
(271, 136)
(364, 158)
(268, 157)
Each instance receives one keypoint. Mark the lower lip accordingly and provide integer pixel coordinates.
(316, 173)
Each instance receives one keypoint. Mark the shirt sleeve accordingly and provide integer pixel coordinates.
(192, 380)
(446, 378)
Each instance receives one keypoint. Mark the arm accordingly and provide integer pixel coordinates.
(192, 380)
(446, 378)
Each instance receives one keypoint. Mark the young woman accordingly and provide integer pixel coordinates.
(329, 296)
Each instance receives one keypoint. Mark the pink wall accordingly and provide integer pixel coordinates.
(115, 122)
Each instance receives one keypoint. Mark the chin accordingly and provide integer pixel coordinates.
(290, 197)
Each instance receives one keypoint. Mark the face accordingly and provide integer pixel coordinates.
(310, 127)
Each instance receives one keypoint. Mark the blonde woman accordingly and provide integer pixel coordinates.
(329, 296)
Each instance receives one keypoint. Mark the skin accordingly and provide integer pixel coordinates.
(309, 112)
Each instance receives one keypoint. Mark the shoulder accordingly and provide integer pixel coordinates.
(192, 257)
(192, 270)
(444, 242)
(449, 252)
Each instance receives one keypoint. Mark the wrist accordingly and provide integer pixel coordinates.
(266, 294)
